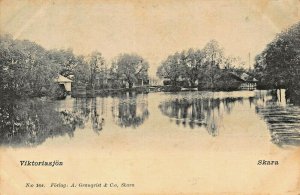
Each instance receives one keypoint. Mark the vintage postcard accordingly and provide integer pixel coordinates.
(149, 97)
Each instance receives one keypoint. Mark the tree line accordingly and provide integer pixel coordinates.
(278, 65)
(206, 68)
(29, 70)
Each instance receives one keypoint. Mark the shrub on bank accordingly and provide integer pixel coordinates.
(170, 88)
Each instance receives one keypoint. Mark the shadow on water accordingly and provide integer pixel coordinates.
(29, 123)
(197, 112)
(130, 110)
(281, 115)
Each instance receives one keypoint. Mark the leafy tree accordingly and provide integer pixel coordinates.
(96, 65)
(279, 64)
(172, 68)
(214, 59)
(81, 70)
(198, 67)
(25, 68)
(233, 63)
(65, 59)
(193, 62)
(130, 68)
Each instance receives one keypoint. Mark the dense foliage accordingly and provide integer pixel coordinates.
(205, 68)
(25, 68)
(278, 66)
(29, 70)
(130, 68)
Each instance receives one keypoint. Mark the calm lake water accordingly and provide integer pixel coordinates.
(189, 142)
(215, 114)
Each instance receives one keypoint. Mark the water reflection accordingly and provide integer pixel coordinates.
(91, 110)
(30, 123)
(282, 116)
(197, 112)
(97, 120)
(130, 110)
(82, 107)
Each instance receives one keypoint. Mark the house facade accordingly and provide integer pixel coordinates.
(247, 82)
(67, 83)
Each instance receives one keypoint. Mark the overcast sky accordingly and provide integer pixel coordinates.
(152, 29)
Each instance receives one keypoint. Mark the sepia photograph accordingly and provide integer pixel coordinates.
(149, 97)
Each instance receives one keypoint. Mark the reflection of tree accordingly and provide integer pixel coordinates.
(130, 110)
(87, 108)
(282, 119)
(200, 112)
(30, 123)
(95, 117)
(82, 108)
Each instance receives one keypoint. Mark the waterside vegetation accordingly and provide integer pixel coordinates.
(28, 70)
